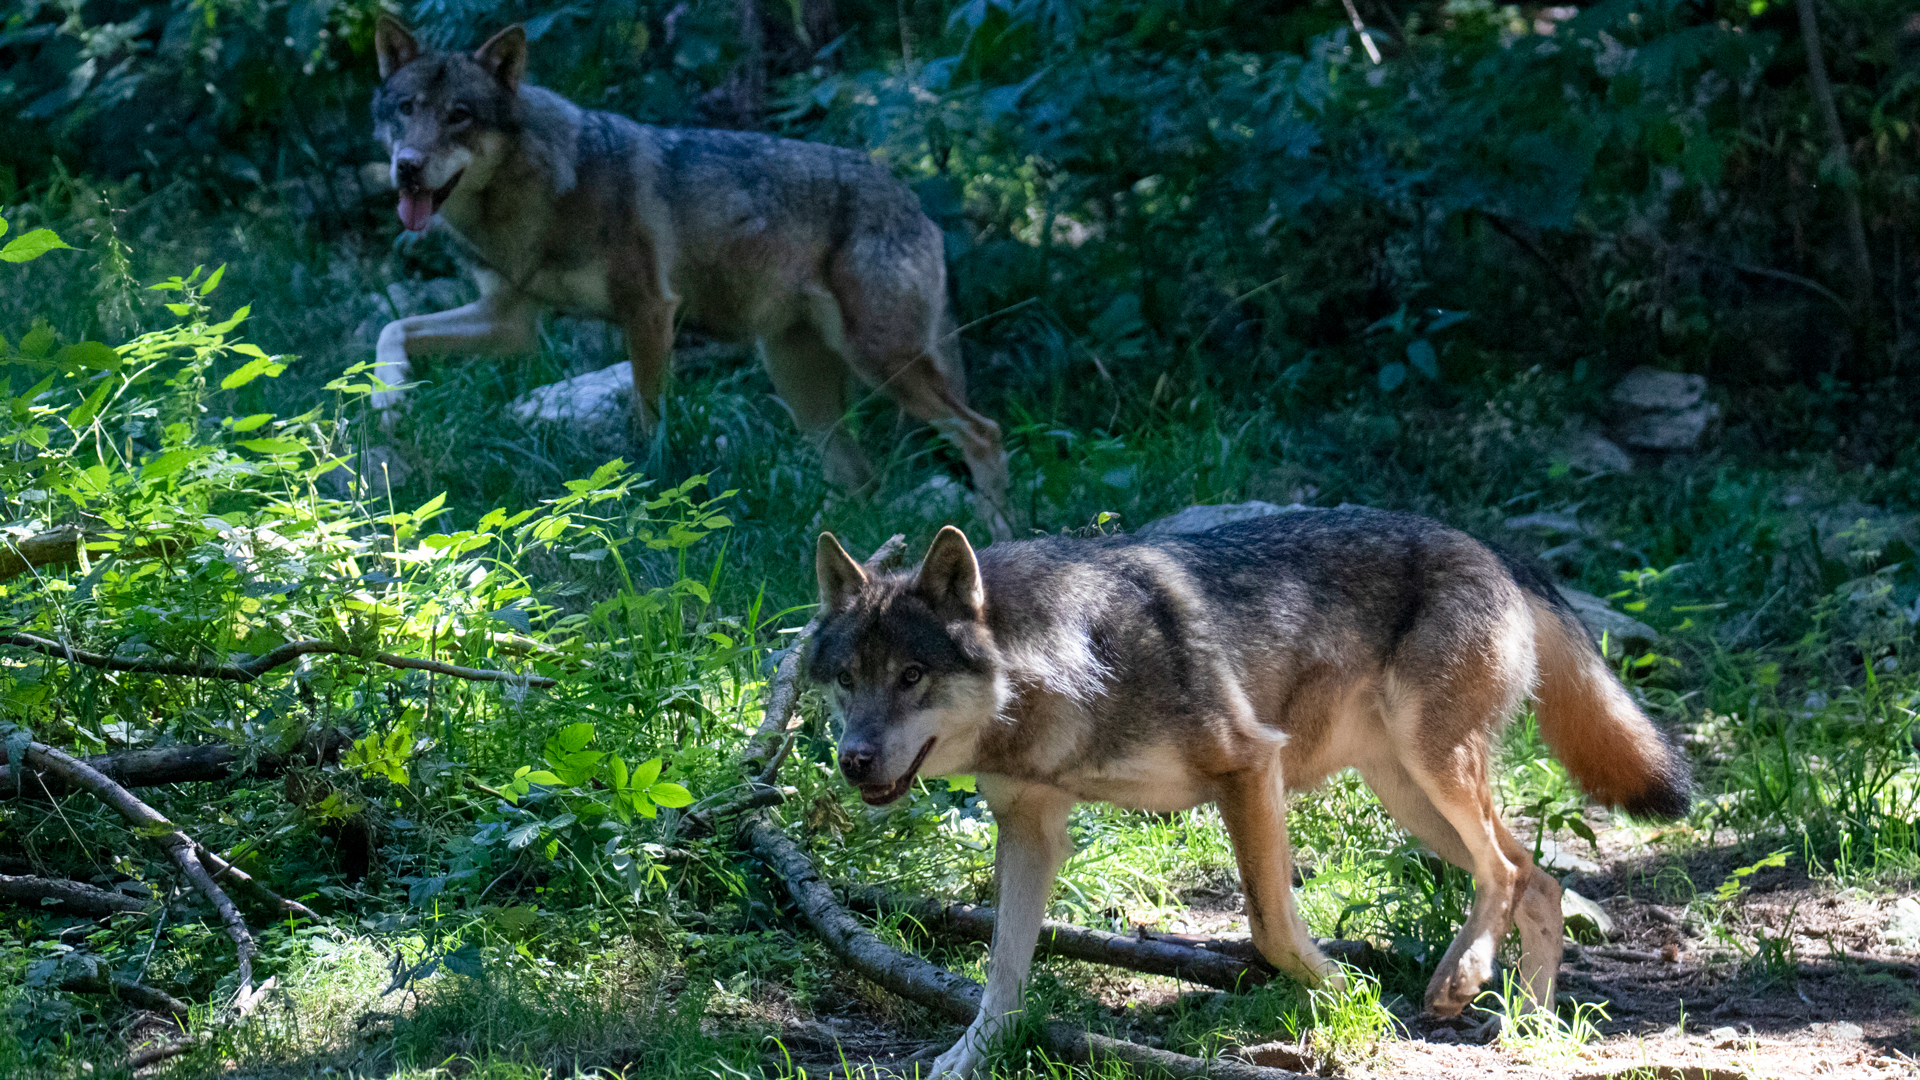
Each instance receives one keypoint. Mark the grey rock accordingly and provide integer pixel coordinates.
(1556, 856)
(1551, 521)
(1590, 451)
(1663, 410)
(1622, 629)
(1587, 921)
(939, 498)
(1903, 922)
(593, 398)
(1196, 519)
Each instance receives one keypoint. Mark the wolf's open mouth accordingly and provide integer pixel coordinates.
(418, 206)
(882, 794)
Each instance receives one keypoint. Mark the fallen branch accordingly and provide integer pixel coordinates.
(260, 665)
(942, 991)
(127, 990)
(142, 768)
(71, 896)
(261, 894)
(61, 547)
(183, 850)
(1179, 960)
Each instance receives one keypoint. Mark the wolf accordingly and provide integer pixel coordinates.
(1233, 666)
(815, 254)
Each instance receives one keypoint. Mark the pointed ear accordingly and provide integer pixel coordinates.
(950, 576)
(505, 54)
(393, 45)
(841, 579)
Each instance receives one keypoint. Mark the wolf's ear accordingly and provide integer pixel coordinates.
(393, 45)
(841, 579)
(950, 576)
(505, 54)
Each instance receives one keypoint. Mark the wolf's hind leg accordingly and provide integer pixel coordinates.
(810, 376)
(1253, 803)
(1538, 910)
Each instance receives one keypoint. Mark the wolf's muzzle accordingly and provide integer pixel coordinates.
(882, 794)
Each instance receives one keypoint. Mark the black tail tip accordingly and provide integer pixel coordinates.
(1668, 798)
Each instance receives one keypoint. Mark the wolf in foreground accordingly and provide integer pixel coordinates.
(816, 254)
(1232, 666)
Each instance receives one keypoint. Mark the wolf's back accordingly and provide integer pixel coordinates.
(1589, 720)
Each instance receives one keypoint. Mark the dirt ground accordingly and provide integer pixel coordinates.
(1837, 994)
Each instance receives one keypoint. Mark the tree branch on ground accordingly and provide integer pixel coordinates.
(61, 547)
(146, 997)
(178, 845)
(260, 665)
(72, 897)
(1225, 963)
(251, 885)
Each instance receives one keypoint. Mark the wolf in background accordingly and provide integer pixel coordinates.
(1234, 666)
(816, 254)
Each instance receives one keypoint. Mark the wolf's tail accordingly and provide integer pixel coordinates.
(1590, 722)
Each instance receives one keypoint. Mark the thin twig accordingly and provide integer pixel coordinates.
(260, 665)
(127, 990)
(265, 896)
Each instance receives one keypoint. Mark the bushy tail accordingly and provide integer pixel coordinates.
(1592, 725)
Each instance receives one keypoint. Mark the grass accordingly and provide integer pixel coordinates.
(1780, 572)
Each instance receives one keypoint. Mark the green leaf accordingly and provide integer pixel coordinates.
(248, 423)
(575, 737)
(645, 773)
(252, 370)
(667, 793)
(619, 768)
(542, 776)
(29, 246)
(1420, 354)
(1392, 375)
(273, 446)
(83, 416)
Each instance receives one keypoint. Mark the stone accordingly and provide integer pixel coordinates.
(1590, 451)
(595, 397)
(938, 498)
(1196, 519)
(1277, 1055)
(1663, 410)
(1587, 922)
(1620, 628)
(1557, 856)
(1549, 520)
(1903, 922)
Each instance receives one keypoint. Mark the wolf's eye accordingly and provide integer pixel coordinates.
(405, 106)
(910, 676)
(459, 114)
(846, 680)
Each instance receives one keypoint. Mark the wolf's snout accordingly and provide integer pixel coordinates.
(409, 169)
(856, 762)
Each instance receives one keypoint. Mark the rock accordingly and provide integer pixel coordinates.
(1663, 410)
(1724, 1038)
(1196, 519)
(595, 397)
(1903, 922)
(1554, 856)
(1623, 630)
(1590, 451)
(379, 470)
(939, 498)
(1550, 521)
(1587, 921)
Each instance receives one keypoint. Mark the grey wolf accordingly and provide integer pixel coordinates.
(1233, 666)
(816, 254)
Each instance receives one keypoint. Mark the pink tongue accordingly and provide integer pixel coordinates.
(416, 210)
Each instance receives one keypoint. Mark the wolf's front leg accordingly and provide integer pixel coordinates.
(502, 322)
(1033, 845)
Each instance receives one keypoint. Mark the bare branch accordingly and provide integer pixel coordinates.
(127, 990)
(71, 896)
(259, 665)
(149, 822)
(145, 768)
(61, 547)
(261, 894)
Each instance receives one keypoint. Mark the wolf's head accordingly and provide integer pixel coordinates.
(444, 117)
(908, 664)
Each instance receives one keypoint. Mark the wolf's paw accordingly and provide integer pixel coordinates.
(958, 1063)
(1453, 990)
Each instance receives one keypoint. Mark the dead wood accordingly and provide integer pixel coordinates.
(260, 665)
(262, 895)
(181, 848)
(146, 997)
(942, 991)
(75, 897)
(143, 768)
(61, 547)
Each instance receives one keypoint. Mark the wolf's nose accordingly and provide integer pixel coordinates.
(408, 165)
(856, 762)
